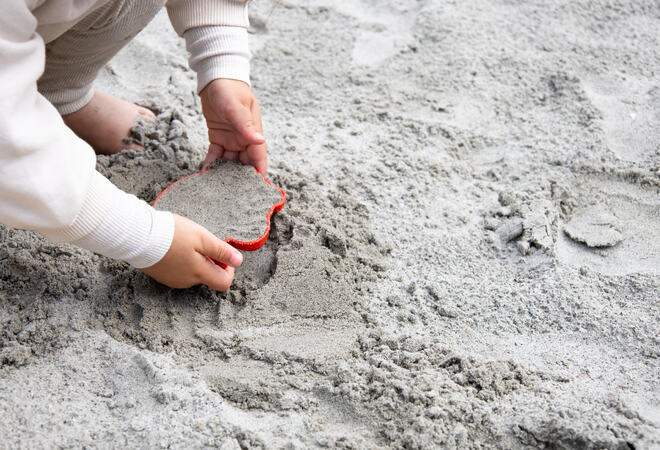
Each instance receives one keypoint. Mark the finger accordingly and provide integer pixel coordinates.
(242, 120)
(231, 156)
(227, 139)
(256, 113)
(258, 157)
(244, 158)
(258, 154)
(215, 277)
(215, 152)
(219, 250)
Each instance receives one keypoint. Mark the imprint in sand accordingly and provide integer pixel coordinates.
(231, 201)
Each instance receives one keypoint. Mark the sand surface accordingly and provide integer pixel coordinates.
(469, 255)
(231, 201)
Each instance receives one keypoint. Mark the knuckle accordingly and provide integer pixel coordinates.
(223, 252)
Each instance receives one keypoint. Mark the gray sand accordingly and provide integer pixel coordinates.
(419, 289)
(594, 227)
(231, 201)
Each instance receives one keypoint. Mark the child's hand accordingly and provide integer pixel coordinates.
(234, 122)
(186, 263)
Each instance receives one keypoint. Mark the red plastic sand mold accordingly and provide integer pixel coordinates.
(249, 246)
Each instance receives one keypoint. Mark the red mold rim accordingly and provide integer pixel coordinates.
(249, 246)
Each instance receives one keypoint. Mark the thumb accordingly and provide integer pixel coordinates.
(241, 119)
(215, 152)
(220, 251)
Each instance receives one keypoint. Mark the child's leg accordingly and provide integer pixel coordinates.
(73, 61)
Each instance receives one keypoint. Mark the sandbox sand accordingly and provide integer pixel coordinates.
(230, 200)
(469, 255)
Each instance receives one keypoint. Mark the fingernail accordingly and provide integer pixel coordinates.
(259, 136)
(236, 259)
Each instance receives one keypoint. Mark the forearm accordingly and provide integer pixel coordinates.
(216, 37)
(67, 201)
(130, 229)
(48, 181)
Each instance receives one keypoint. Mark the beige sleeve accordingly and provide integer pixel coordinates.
(187, 14)
(218, 52)
(48, 180)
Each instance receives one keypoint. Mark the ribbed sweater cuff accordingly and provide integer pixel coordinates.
(120, 226)
(218, 52)
(186, 14)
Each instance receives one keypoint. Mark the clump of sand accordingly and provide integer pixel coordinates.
(594, 227)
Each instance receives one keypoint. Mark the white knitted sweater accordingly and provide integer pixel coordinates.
(48, 181)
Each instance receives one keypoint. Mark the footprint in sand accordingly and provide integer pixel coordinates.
(382, 31)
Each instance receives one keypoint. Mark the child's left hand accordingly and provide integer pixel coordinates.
(234, 122)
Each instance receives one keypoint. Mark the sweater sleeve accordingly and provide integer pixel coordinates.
(216, 37)
(48, 181)
(218, 52)
(187, 14)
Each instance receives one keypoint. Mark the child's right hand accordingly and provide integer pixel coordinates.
(187, 261)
